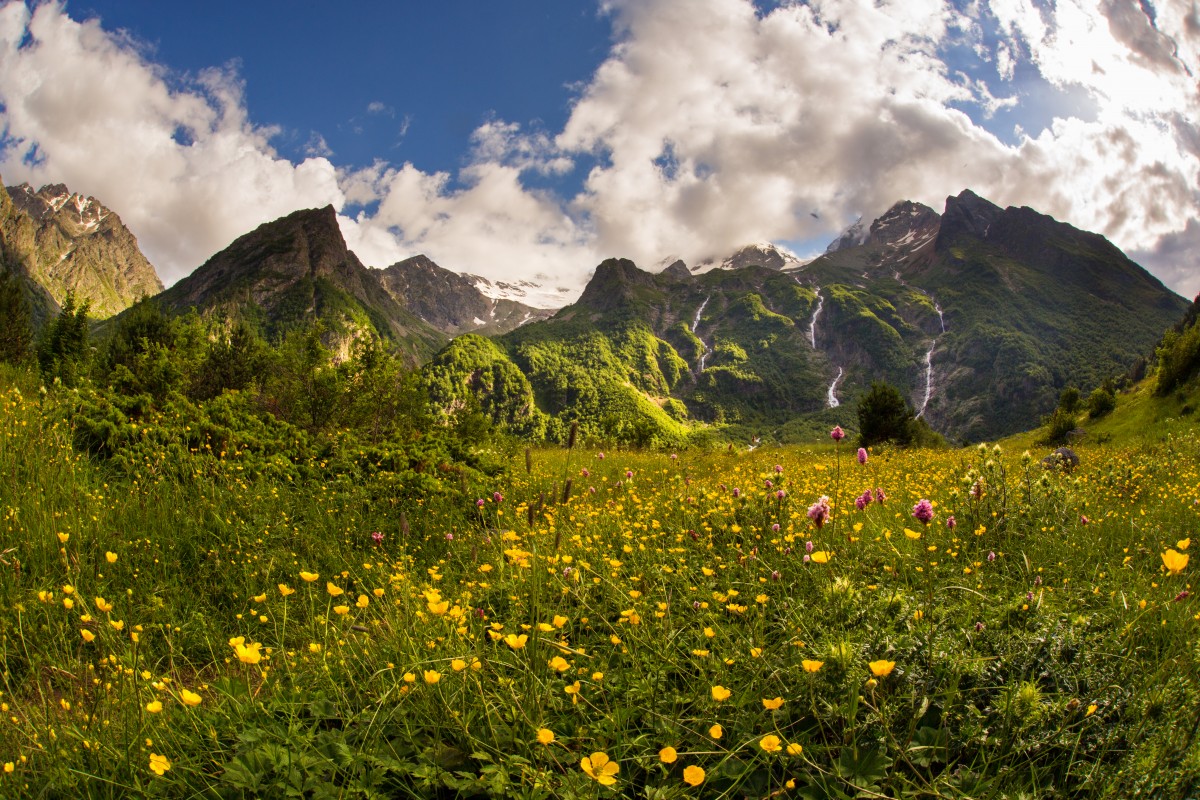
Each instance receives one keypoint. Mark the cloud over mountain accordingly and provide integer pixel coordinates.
(710, 124)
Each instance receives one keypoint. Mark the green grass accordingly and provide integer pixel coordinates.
(1065, 666)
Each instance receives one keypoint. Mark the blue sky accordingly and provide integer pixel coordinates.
(525, 140)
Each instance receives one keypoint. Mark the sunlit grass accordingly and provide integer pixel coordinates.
(677, 622)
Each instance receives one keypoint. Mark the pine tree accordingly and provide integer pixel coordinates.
(16, 323)
(884, 416)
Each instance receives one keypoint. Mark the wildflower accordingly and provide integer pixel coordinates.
(772, 704)
(879, 495)
(432, 676)
(923, 511)
(545, 736)
(811, 665)
(110, 557)
(516, 642)
(341, 611)
(189, 698)
(951, 523)
(314, 647)
(333, 589)
(246, 653)
(693, 775)
(497, 497)
(912, 534)
(458, 665)
(720, 693)
(1184, 544)
(480, 503)
(362, 601)
(599, 767)
(794, 749)
(159, 764)
(308, 577)
(559, 664)
(819, 512)
(68, 603)
(881, 668)
(668, 755)
(377, 536)
(1175, 561)
(63, 537)
(716, 731)
(285, 590)
(991, 556)
(87, 635)
(837, 434)
(770, 743)
(154, 706)
(1091, 709)
(821, 557)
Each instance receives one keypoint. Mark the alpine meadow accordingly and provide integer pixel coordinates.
(706, 432)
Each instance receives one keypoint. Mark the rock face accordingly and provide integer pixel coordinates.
(451, 302)
(65, 242)
(293, 271)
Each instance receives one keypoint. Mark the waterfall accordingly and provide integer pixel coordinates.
(833, 401)
(695, 324)
(928, 378)
(699, 311)
(812, 326)
(941, 319)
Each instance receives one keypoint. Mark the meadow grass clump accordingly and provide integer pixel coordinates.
(671, 625)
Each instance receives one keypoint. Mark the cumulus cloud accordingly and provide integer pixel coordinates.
(712, 123)
(185, 168)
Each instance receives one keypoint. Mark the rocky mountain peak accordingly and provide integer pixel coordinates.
(677, 270)
(853, 236)
(72, 243)
(903, 223)
(970, 214)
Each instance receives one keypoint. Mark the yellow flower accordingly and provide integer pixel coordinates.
(881, 668)
(432, 676)
(68, 603)
(770, 743)
(601, 768)
(118, 624)
(440, 607)
(773, 704)
(154, 706)
(260, 598)
(333, 589)
(821, 557)
(811, 665)
(408, 676)
(103, 605)
(559, 620)
(314, 647)
(516, 642)
(362, 601)
(545, 736)
(1091, 709)
(559, 663)
(912, 534)
(308, 577)
(9, 766)
(668, 755)
(159, 764)
(794, 749)
(1184, 544)
(716, 731)
(62, 537)
(189, 698)
(87, 635)
(246, 653)
(458, 665)
(110, 557)
(693, 775)
(1175, 561)
(285, 590)
(720, 693)
(340, 610)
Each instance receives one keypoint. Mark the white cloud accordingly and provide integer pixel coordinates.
(184, 168)
(710, 124)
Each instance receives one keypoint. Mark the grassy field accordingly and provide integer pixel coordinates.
(601, 624)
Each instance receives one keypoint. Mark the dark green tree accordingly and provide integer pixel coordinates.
(16, 322)
(234, 362)
(63, 350)
(884, 416)
(1069, 400)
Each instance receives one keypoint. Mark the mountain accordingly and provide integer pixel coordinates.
(61, 241)
(296, 270)
(451, 302)
(980, 315)
(762, 254)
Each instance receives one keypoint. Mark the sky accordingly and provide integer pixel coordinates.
(531, 139)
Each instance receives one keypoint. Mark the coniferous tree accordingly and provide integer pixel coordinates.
(63, 350)
(884, 416)
(16, 322)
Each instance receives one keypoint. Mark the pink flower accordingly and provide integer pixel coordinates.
(377, 536)
(628, 473)
(879, 495)
(837, 434)
(923, 511)
(819, 511)
(951, 523)
(778, 468)
(600, 456)
(497, 497)
(584, 472)
(449, 537)
(737, 492)
(479, 503)
(862, 455)
(780, 494)
(809, 547)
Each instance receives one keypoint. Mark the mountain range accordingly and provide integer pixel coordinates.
(979, 314)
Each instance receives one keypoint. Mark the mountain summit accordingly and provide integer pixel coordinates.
(62, 241)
